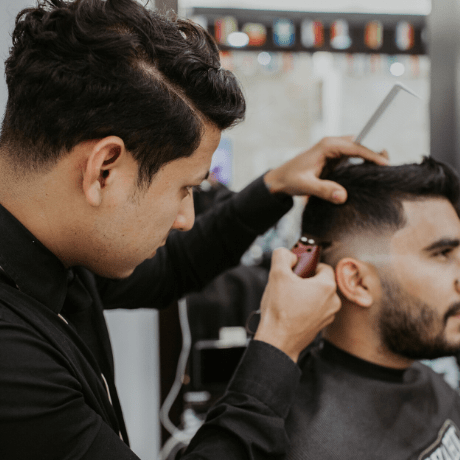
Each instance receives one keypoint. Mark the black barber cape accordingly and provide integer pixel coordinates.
(57, 393)
(348, 408)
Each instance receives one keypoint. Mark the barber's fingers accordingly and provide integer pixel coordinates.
(325, 272)
(283, 260)
(328, 190)
(384, 154)
(336, 150)
(293, 309)
(325, 275)
(345, 145)
(325, 279)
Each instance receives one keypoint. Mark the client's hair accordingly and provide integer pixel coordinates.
(375, 195)
(87, 69)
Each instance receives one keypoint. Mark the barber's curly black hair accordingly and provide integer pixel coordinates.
(87, 69)
(375, 196)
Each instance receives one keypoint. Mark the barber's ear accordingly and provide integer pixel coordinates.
(357, 281)
(103, 157)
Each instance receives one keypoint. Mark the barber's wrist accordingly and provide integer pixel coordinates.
(273, 182)
(268, 375)
(279, 341)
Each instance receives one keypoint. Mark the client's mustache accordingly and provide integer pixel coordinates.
(453, 310)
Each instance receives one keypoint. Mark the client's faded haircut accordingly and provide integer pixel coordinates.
(375, 195)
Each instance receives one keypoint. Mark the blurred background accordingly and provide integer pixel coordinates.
(309, 69)
(315, 69)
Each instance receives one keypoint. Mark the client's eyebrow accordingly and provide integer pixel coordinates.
(443, 243)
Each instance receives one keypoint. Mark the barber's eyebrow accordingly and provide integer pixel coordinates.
(443, 243)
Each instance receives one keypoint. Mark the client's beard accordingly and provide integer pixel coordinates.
(410, 327)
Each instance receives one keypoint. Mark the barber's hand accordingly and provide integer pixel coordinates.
(300, 176)
(293, 309)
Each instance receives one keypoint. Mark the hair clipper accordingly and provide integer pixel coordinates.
(308, 252)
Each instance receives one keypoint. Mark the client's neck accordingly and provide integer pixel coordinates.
(354, 332)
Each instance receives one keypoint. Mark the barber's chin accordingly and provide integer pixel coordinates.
(154, 252)
(122, 275)
(119, 272)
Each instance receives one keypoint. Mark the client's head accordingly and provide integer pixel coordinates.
(395, 247)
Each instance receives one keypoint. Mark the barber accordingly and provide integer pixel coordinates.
(99, 151)
(57, 389)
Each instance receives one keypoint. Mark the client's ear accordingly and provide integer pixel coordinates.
(357, 281)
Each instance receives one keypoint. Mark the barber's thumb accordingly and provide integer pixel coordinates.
(283, 258)
(325, 272)
(330, 191)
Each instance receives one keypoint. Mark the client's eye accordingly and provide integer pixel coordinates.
(444, 253)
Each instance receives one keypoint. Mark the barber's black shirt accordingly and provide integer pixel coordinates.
(57, 394)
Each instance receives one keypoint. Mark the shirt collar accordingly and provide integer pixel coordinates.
(339, 357)
(35, 270)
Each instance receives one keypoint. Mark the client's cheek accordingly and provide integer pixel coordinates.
(415, 277)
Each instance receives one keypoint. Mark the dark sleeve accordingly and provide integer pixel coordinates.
(189, 260)
(43, 414)
(248, 422)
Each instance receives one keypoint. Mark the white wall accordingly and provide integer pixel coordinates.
(134, 337)
(301, 97)
(134, 334)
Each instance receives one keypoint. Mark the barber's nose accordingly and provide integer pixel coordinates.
(186, 215)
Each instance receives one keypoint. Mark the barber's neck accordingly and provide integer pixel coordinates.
(40, 202)
(356, 332)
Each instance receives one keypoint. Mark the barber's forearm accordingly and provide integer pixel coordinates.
(248, 422)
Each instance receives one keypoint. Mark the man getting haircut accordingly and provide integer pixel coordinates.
(395, 249)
